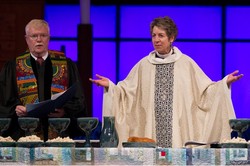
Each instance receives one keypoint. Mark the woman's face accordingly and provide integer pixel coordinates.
(160, 40)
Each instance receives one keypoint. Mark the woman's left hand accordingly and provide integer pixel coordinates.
(233, 77)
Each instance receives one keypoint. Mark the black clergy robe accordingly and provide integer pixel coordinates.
(9, 99)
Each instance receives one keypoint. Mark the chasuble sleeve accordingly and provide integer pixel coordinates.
(211, 108)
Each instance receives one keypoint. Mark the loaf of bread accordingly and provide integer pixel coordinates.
(140, 139)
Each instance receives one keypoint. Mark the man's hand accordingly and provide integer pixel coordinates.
(21, 110)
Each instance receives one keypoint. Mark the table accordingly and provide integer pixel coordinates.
(124, 156)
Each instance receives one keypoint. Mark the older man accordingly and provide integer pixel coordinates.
(34, 76)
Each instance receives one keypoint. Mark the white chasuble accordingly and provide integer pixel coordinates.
(187, 104)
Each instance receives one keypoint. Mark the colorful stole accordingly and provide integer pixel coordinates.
(26, 80)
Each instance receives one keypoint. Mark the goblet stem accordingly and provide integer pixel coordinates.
(28, 132)
(239, 134)
(87, 143)
(58, 132)
(61, 134)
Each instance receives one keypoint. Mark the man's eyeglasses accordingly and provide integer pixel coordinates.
(35, 36)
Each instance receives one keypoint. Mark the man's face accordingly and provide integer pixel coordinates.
(37, 39)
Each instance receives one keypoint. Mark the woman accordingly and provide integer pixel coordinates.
(167, 97)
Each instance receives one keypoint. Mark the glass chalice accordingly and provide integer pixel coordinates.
(239, 125)
(59, 125)
(4, 124)
(28, 124)
(87, 124)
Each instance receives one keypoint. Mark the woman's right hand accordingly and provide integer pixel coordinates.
(101, 81)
